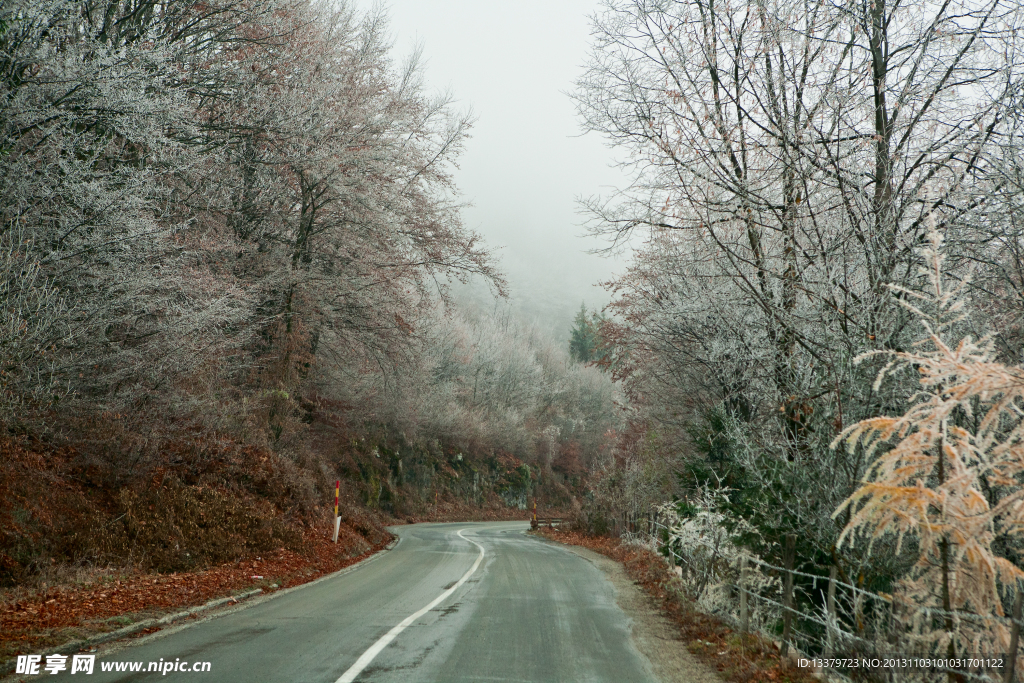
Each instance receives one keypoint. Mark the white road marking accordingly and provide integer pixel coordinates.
(369, 655)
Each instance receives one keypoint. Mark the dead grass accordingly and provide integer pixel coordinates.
(736, 657)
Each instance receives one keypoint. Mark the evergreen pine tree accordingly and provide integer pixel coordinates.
(583, 337)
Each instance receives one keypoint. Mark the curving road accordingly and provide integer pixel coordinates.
(450, 603)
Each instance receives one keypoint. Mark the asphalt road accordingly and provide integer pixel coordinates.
(450, 603)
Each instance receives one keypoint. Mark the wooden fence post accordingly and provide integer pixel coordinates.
(787, 597)
(1008, 668)
(744, 610)
(830, 640)
(858, 605)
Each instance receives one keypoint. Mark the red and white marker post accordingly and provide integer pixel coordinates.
(337, 519)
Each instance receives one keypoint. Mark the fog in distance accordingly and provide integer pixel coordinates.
(526, 163)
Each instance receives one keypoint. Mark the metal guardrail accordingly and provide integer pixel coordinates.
(552, 522)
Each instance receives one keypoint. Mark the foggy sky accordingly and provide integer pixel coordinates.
(525, 165)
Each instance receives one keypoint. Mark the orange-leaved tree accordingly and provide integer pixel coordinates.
(948, 473)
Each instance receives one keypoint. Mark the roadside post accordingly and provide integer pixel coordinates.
(787, 594)
(830, 606)
(744, 612)
(337, 519)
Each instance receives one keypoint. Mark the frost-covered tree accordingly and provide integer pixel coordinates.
(90, 125)
(489, 382)
(784, 157)
(782, 152)
(332, 182)
(948, 474)
(238, 190)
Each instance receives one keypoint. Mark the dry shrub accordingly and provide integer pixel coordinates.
(211, 501)
(178, 527)
(578, 520)
(365, 523)
(37, 507)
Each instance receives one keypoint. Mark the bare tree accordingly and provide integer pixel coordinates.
(333, 179)
(787, 149)
(90, 117)
(235, 184)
